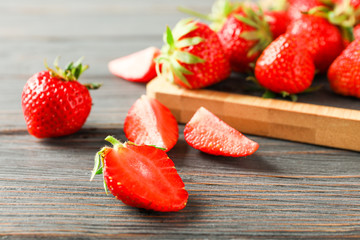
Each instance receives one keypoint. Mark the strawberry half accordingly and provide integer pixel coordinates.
(136, 67)
(208, 133)
(192, 56)
(149, 122)
(140, 176)
(54, 103)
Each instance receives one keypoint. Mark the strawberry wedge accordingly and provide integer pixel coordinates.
(208, 133)
(149, 122)
(136, 67)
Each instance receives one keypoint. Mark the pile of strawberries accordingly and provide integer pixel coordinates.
(282, 49)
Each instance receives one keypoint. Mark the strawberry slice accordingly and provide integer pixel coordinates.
(136, 67)
(141, 176)
(149, 122)
(208, 133)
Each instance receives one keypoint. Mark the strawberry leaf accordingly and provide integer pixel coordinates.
(187, 57)
(186, 42)
(98, 164)
(169, 37)
(184, 27)
(246, 20)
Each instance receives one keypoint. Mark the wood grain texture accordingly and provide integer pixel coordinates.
(295, 121)
(285, 190)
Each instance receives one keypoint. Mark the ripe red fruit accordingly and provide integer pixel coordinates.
(323, 40)
(244, 35)
(208, 133)
(285, 66)
(136, 67)
(141, 176)
(357, 31)
(149, 122)
(297, 7)
(278, 22)
(344, 72)
(55, 103)
(193, 56)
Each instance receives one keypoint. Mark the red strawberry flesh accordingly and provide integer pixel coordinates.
(208, 133)
(150, 122)
(136, 67)
(141, 176)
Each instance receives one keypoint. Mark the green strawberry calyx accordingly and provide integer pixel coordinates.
(100, 155)
(342, 14)
(99, 159)
(72, 72)
(220, 11)
(261, 33)
(174, 53)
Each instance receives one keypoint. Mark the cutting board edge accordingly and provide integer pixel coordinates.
(281, 119)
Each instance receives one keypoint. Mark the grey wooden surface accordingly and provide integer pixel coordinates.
(284, 190)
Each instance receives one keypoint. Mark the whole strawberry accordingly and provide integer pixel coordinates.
(285, 66)
(55, 103)
(323, 39)
(278, 22)
(244, 35)
(140, 176)
(344, 72)
(193, 56)
(297, 7)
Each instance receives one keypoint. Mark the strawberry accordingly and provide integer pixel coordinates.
(357, 31)
(323, 40)
(278, 22)
(55, 103)
(285, 66)
(192, 56)
(297, 7)
(136, 67)
(208, 133)
(149, 122)
(140, 176)
(244, 30)
(244, 35)
(344, 73)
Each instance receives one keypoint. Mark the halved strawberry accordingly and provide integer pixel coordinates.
(136, 67)
(149, 122)
(141, 176)
(208, 133)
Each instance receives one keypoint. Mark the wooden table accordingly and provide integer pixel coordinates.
(285, 190)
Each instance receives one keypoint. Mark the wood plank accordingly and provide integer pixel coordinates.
(301, 122)
(285, 189)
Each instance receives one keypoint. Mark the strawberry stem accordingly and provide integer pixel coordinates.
(72, 71)
(116, 143)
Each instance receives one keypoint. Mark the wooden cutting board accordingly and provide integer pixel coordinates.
(331, 126)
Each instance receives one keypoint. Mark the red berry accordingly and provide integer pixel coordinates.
(208, 133)
(278, 22)
(285, 66)
(54, 104)
(297, 7)
(141, 176)
(149, 122)
(323, 40)
(244, 35)
(193, 56)
(344, 72)
(136, 67)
